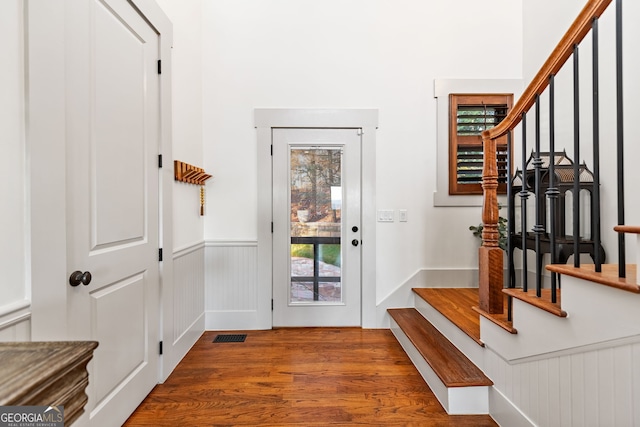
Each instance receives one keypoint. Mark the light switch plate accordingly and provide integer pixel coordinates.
(386, 215)
(402, 215)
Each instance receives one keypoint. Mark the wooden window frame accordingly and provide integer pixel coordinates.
(455, 140)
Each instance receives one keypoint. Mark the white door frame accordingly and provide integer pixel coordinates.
(265, 121)
(46, 158)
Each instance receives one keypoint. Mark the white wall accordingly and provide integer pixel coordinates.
(351, 54)
(185, 15)
(544, 23)
(13, 229)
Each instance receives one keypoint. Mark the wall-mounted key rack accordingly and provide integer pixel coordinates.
(184, 172)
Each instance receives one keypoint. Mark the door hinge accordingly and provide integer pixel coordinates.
(272, 226)
(160, 348)
(160, 160)
(160, 254)
(271, 149)
(159, 66)
(271, 304)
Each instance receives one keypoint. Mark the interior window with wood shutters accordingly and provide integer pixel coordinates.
(469, 116)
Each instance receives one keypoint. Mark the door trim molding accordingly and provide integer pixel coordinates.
(156, 17)
(265, 120)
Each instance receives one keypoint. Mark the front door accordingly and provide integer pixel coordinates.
(112, 201)
(316, 237)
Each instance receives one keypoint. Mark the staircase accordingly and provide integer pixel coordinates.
(572, 365)
(564, 351)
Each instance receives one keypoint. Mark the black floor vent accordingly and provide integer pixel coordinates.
(230, 338)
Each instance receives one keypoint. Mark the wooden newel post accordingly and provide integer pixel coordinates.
(490, 254)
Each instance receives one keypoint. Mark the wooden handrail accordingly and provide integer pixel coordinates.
(629, 229)
(491, 279)
(578, 30)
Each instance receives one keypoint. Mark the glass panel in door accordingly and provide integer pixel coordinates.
(316, 225)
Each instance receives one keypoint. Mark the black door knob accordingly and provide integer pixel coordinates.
(354, 242)
(78, 277)
(354, 229)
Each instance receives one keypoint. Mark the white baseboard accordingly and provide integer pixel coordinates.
(231, 320)
(183, 344)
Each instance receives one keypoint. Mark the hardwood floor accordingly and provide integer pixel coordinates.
(304, 377)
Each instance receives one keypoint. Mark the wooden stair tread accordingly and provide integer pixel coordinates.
(452, 367)
(543, 301)
(608, 276)
(500, 319)
(456, 305)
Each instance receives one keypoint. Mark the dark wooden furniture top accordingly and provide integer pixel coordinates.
(46, 373)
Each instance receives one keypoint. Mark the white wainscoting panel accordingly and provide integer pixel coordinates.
(15, 322)
(595, 387)
(231, 285)
(188, 300)
(188, 289)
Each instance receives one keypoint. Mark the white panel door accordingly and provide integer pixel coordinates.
(112, 200)
(316, 227)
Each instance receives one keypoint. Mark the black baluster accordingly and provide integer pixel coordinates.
(510, 227)
(538, 229)
(620, 140)
(576, 152)
(524, 195)
(552, 191)
(595, 214)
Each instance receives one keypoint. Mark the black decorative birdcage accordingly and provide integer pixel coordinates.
(564, 183)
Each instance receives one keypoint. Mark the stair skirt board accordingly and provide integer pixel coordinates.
(505, 413)
(454, 400)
